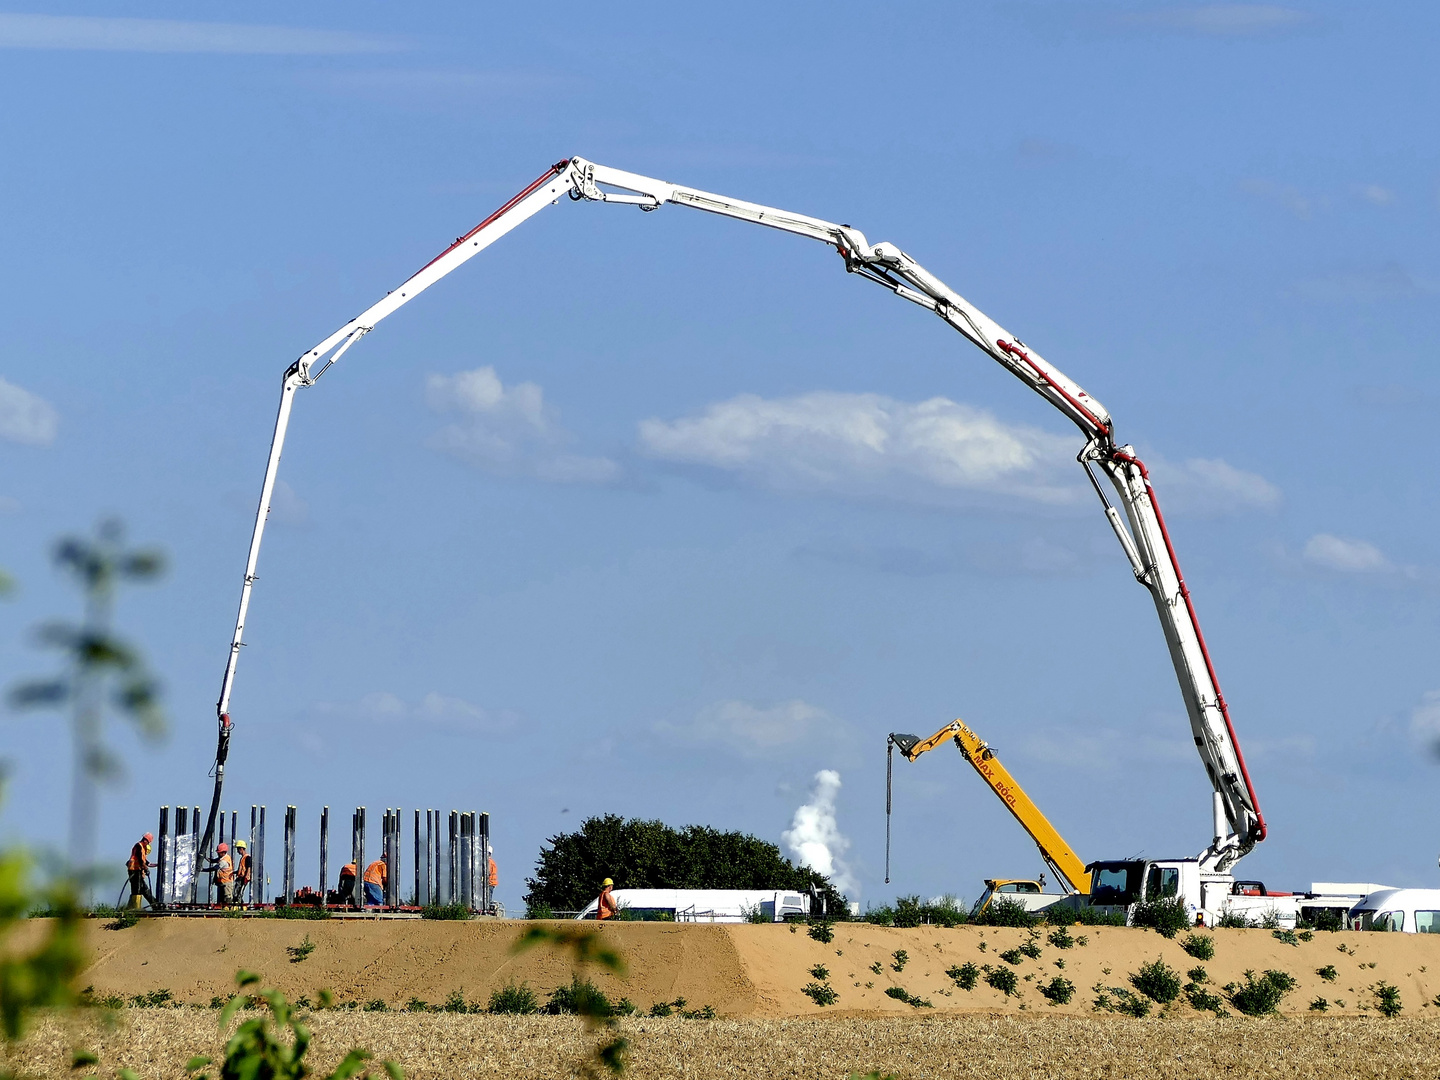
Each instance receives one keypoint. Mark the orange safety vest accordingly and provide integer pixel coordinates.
(139, 855)
(494, 875)
(375, 873)
(605, 909)
(226, 870)
(242, 873)
(348, 870)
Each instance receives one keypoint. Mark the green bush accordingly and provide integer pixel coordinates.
(1324, 919)
(901, 958)
(1319, 1005)
(908, 911)
(965, 976)
(1061, 938)
(540, 911)
(1012, 956)
(752, 915)
(1003, 979)
(822, 931)
(445, 911)
(1270, 920)
(1231, 919)
(1260, 996)
(1157, 981)
(1203, 1000)
(884, 915)
(305, 912)
(1058, 990)
(1287, 937)
(512, 999)
(1118, 999)
(455, 1003)
(901, 994)
(1031, 948)
(376, 1005)
(1065, 915)
(582, 997)
(1200, 946)
(1387, 999)
(1327, 972)
(820, 971)
(820, 993)
(1198, 974)
(1166, 916)
(1005, 912)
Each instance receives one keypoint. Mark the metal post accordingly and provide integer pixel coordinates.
(452, 877)
(485, 898)
(436, 862)
(392, 875)
(419, 858)
(195, 877)
(289, 856)
(262, 884)
(254, 851)
(385, 857)
(161, 835)
(324, 855)
(467, 852)
(360, 861)
(182, 828)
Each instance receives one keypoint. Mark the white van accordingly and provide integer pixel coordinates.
(1408, 911)
(705, 905)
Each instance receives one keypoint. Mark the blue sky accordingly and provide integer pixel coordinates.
(662, 514)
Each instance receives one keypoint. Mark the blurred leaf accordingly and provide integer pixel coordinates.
(38, 694)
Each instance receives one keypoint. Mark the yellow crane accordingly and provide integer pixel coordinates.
(1069, 868)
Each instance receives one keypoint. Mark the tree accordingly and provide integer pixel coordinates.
(641, 854)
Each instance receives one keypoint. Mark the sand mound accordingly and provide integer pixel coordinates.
(755, 971)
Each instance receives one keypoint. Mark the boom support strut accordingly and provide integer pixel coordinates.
(1146, 541)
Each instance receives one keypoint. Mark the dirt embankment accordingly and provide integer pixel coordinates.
(757, 971)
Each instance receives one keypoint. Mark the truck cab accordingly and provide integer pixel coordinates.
(1028, 893)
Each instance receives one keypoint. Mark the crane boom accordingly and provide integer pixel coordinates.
(1146, 541)
(1068, 867)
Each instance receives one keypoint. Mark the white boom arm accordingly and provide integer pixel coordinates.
(1146, 543)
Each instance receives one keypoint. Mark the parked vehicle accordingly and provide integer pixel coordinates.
(706, 905)
(1406, 911)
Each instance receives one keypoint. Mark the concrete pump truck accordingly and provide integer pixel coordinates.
(1204, 880)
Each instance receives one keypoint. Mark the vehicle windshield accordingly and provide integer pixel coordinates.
(1019, 886)
(1427, 922)
(1392, 921)
(1162, 881)
(1116, 883)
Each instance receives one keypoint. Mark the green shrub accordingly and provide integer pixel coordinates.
(1230, 919)
(901, 994)
(1058, 990)
(1003, 979)
(1270, 920)
(1012, 956)
(455, 1003)
(822, 931)
(1328, 972)
(1319, 1005)
(445, 911)
(1387, 999)
(511, 999)
(820, 971)
(1287, 937)
(1198, 974)
(300, 953)
(901, 958)
(946, 911)
(1065, 915)
(539, 911)
(1118, 999)
(1157, 981)
(1005, 912)
(376, 1005)
(1324, 919)
(582, 997)
(1031, 948)
(908, 911)
(1200, 946)
(876, 969)
(820, 993)
(1203, 1000)
(965, 976)
(155, 999)
(304, 912)
(884, 915)
(1166, 916)
(415, 1005)
(1260, 996)
(1061, 938)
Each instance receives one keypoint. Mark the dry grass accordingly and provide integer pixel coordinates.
(156, 1042)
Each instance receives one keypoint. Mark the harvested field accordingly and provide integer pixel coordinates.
(157, 1042)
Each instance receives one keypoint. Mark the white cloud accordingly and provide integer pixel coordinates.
(1286, 195)
(753, 730)
(1219, 20)
(814, 837)
(435, 711)
(92, 33)
(1210, 487)
(1374, 193)
(508, 431)
(25, 417)
(1345, 556)
(287, 508)
(1425, 719)
(870, 445)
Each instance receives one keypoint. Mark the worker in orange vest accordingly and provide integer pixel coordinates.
(375, 877)
(224, 871)
(345, 889)
(242, 871)
(605, 907)
(137, 867)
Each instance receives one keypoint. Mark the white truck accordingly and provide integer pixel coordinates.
(706, 905)
(1406, 911)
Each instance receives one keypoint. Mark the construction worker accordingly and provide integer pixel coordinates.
(375, 877)
(242, 871)
(605, 907)
(224, 871)
(137, 866)
(345, 890)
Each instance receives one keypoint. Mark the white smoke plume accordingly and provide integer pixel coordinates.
(814, 838)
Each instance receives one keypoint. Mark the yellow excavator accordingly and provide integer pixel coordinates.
(1068, 868)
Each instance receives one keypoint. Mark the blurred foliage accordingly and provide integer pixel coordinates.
(44, 975)
(641, 854)
(582, 997)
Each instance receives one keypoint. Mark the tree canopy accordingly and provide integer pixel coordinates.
(640, 854)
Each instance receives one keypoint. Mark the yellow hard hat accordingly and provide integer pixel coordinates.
(239, 843)
(607, 881)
